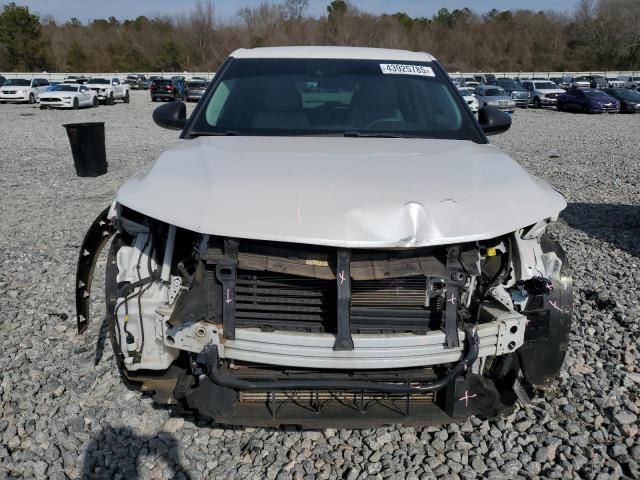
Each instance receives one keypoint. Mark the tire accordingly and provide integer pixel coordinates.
(3, 103)
(154, 99)
(536, 103)
(32, 98)
(42, 107)
(110, 100)
(560, 107)
(585, 109)
(125, 99)
(75, 104)
(95, 102)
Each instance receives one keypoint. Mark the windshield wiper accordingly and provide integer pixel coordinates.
(357, 133)
(227, 133)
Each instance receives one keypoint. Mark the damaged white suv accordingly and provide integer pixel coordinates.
(333, 241)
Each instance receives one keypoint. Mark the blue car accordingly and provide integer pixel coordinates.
(587, 100)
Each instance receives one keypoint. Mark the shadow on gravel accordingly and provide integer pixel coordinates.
(116, 451)
(615, 223)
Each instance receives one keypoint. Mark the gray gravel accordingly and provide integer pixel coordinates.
(64, 417)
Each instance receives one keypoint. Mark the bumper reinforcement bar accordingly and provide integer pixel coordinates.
(209, 360)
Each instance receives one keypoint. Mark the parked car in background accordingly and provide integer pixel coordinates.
(470, 98)
(630, 82)
(167, 89)
(137, 81)
(616, 83)
(492, 96)
(515, 91)
(542, 93)
(560, 81)
(194, 89)
(580, 82)
(202, 79)
(23, 89)
(597, 81)
(76, 79)
(587, 100)
(68, 95)
(469, 82)
(484, 78)
(109, 89)
(2, 80)
(629, 99)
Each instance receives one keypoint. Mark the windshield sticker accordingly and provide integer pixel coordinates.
(403, 69)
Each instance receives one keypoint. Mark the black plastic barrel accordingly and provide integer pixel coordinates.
(87, 147)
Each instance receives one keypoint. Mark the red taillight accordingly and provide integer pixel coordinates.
(169, 88)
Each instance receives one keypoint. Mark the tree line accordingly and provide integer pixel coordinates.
(598, 35)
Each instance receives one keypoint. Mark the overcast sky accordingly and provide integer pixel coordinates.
(226, 9)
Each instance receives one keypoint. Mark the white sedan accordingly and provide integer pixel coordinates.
(68, 95)
(470, 98)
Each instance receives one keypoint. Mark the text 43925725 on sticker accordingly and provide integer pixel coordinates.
(405, 69)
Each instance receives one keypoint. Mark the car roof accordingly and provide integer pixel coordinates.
(356, 53)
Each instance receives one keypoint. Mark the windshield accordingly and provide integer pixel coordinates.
(17, 82)
(334, 97)
(196, 84)
(465, 92)
(99, 81)
(625, 94)
(546, 86)
(64, 88)
(594, 93)
(494, 92)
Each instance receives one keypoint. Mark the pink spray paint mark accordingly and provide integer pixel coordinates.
(555, 305)
(467, 397)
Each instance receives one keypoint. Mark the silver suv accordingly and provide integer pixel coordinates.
(542, 93)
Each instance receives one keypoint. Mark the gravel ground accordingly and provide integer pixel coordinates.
(64, 417)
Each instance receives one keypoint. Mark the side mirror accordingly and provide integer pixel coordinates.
(172, 115)
(492, 120)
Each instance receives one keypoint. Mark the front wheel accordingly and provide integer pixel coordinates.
(32, 98)
(110, 100)
(42, 107)
(536, 103)
(125, 99)
(95, 101)
(75, 104)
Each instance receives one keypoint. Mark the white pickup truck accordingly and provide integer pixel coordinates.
(109, 89)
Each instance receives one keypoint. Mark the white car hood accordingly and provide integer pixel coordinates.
(58, 94)
(343, 192)
(97, 85)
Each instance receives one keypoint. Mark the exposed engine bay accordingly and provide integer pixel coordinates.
(268, 333)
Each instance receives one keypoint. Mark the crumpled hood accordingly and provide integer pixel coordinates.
(344, 192)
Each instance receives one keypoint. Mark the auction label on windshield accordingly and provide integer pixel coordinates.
(404, 69)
